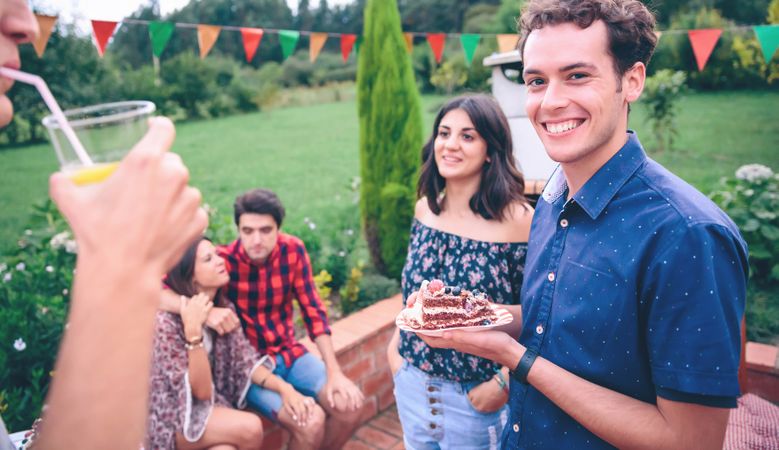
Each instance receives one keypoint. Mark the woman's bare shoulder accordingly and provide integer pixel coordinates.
(520, 216)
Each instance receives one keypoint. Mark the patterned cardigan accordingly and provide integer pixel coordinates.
(173, 408)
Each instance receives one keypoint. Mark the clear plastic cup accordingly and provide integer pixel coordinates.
(107, 132)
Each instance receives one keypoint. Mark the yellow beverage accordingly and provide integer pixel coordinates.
(92, 174)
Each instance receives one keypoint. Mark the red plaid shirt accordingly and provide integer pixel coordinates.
(263, 295)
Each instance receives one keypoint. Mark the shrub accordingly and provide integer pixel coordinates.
(34, 295)
(390, 137)
(451, 75)
(351, 290)
(374, 287)
(751, 199)
(662, 93)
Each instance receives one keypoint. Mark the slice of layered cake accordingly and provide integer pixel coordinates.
(438, 306)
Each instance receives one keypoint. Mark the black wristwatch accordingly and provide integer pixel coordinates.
(523, 368)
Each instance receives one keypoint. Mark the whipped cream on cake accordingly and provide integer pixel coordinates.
(438, 306)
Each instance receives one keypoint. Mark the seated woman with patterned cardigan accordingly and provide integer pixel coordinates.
(200, 379)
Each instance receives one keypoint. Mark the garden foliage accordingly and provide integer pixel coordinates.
(390, 136)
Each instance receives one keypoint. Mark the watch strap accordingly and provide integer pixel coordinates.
(523, 367)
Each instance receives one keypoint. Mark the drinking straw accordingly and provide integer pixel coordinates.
(43, 89)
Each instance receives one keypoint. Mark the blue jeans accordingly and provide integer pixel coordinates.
(436, 413)
(307, 375)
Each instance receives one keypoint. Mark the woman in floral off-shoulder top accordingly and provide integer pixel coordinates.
(470, 229)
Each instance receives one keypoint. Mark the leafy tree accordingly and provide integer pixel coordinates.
(390, 136)
(662, 93)
(773, 12)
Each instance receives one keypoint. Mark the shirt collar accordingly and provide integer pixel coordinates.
(598, 191)
(243, 256)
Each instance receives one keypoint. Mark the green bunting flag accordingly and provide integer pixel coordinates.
(357, 45)
(768, 35)
(160, 33)
(288, 40)
(469, 42)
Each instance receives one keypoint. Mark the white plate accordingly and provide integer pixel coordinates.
(504, 317)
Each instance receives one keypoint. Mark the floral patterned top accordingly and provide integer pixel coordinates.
(490, 267)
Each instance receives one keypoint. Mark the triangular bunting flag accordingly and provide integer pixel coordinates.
(347, 42)
(469, 43)
(288, 40)
(251, 40)
(436, 41)
(409, 41)
(768, 35)
(316, 42)
(507, 42)
(160, 33)
(659, 34)
(103, 31)
(357, 45)
(703, 42)
(45, 26)
(206, 38)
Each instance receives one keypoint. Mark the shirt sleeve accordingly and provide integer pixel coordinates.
(314, 315)
(696, 291)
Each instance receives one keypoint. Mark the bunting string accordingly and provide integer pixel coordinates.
(702, 41)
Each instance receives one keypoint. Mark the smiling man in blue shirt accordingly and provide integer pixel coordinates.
(635, 282)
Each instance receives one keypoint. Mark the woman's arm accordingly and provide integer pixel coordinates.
(193, 313)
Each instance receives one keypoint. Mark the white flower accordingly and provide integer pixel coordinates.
(312, 225)
(20, 345)
(342, 253)
(28, 232)
(44, 310)
(49, 269)
(754, 172)
(306, 220)
(65, 291)
(58, 240)
(349, 232)
(71, 246)
(3, 267)
(20, 267)
(7, 277)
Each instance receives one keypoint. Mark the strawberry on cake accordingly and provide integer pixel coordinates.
(438, 306)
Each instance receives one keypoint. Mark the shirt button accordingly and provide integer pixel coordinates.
(550, 277)
(564, 223)
(539, 329)
(515, 428)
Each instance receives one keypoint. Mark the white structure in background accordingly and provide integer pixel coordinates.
(528, 150)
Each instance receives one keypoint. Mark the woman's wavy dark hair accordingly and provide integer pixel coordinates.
(501, 181)
(180, 278)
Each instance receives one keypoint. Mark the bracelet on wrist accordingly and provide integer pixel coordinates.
(191, 347)
(501, 381)
(195, 340)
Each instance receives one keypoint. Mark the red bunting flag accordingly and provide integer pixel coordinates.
(703, 42)
(103, 31)
(347, 43)
(436, 41)
(251, 40)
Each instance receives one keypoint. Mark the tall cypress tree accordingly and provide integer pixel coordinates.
(390, 136)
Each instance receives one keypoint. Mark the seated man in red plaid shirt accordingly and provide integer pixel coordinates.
(268, 269)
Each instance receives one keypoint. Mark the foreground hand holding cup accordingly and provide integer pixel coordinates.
(144, 212)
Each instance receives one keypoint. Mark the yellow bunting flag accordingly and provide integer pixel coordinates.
(409, 41)
(316, 42)
(206, 37)
(507, 42)
(45, 25)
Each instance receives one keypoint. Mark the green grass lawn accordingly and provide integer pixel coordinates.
(309, 154)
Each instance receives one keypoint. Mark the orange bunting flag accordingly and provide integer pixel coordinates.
(347, 43)
(251, 40)
(206, 38)
(315, 44)
(103, 30)
(436, 41)
(45, 26)
(507, 42)
(703, 42)
(409, 41)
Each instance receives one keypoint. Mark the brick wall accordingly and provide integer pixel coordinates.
(762, 370)
(360, 342)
